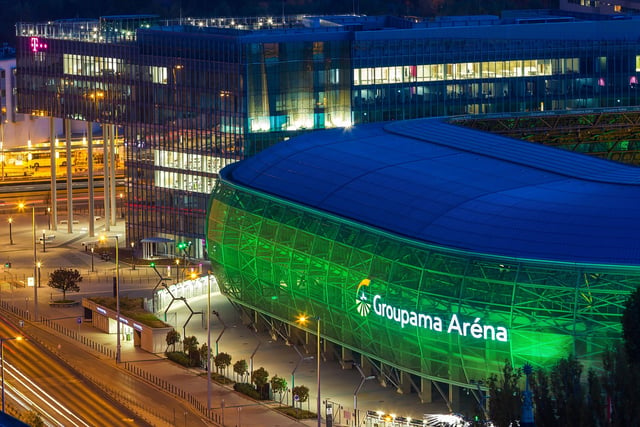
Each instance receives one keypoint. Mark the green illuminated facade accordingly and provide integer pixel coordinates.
(282, 261)
(404, 302)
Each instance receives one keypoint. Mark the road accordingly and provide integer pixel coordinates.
(35, 378)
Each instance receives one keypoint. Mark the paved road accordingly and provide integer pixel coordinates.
(36, 378)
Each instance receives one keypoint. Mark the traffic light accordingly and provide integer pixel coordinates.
(152, 265)
(182, 245)
(7, 265)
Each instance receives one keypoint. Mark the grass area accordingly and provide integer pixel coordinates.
(132, 308)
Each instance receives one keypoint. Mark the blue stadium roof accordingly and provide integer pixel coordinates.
(432, 181)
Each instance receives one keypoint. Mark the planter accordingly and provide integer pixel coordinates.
(63, 303)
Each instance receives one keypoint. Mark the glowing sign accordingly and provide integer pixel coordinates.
(452, 325)
(37, 45)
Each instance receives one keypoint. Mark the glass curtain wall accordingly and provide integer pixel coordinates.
(404, 79)
(296, 86)
(441, 314)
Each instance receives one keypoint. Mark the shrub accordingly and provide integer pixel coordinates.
(247, 390)
(179, 357)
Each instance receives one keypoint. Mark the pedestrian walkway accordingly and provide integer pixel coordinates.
(228, 334)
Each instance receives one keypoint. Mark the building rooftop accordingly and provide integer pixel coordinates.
(458, 188)
(523, 25)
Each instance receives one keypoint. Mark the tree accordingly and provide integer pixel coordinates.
(190, 345)
(543, 401)
(621, 381)
(278, 385)
(568, 392)
(505, 402)
(241, 368)
(260, 377)
(173, 337)
(65, 279)
(222, 361)
(302, 392)
(631, 327)
(204, 353)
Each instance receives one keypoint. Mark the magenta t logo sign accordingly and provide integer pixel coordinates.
(37, 45)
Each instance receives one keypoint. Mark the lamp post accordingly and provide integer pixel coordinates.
(209, 343)
(133, 255)
(2, 340)
(21, 207)
(92, 249)
(38, 264)
(303, 319)
(10, 232)
(49, 216)
(104, 238)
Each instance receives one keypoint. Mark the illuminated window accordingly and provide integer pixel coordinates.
(468, 70)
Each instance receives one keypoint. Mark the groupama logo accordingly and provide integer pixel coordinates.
(367, 302)
(362, 304)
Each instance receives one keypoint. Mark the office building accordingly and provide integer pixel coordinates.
(190, 96)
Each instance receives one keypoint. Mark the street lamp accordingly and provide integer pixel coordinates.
(133, 255)
(38, 264)
(92, 249)
(49, 216)
(10, 233)
(103, 239)
(303, 320)
(2, 340)
(21, 207)
(208, 343)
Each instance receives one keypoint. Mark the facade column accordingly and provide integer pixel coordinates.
(346, 358)
(405, 383)
(92, 216)
(425, 391)
(113, 135)
(53, 190)
(454, 397)
(329, 350)
(105, 176)
(67, 132)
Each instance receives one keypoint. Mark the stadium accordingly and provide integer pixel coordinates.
(431, 252)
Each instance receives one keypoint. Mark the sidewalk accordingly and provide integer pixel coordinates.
(229, 408)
